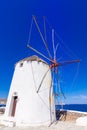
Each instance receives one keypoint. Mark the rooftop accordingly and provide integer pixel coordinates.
(32, 58)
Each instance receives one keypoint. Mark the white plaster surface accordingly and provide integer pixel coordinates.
(82, 121)
(32, 108)
(61, 125)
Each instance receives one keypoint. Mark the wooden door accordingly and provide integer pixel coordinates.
(14, 106)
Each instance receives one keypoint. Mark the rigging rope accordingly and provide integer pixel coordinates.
(43, 79)
(70, 51)
(33, 77)
(44, 102)
(76, 75)
(45, 29)
(61, 40)
(40, 53)
(30, 31)
(36, 89)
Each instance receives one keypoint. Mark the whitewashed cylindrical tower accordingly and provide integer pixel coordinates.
(30, 99)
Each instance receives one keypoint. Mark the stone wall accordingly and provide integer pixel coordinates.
(69, 115)
(2, 110)
(2, 102)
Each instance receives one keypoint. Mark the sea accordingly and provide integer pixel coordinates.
(75, 107)
(2, 105)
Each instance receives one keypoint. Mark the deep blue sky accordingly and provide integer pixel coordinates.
(69, 19)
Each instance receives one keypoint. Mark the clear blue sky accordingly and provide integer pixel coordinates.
(68, 17)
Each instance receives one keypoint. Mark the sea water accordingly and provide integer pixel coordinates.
(76, 107)
(2, 105)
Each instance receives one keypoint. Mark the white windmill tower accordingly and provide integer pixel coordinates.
(31, 98)
(28, 100)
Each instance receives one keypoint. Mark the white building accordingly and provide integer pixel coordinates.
(30, 100)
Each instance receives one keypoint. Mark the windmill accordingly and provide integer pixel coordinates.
(54, 64)
(32, 92)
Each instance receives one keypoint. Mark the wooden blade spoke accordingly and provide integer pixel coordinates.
(39, 53)
(42, 80)
(67, 62)
(63, 63)
(42, 37)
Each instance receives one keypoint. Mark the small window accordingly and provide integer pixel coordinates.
(21, 64)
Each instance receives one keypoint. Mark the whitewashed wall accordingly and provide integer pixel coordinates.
(32, 108)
